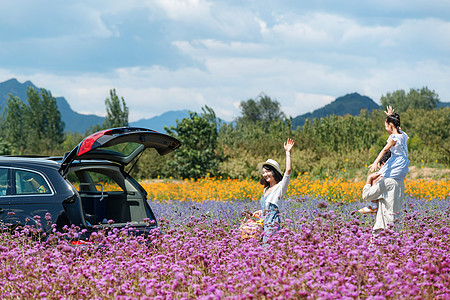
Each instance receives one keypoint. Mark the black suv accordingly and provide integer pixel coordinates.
(88, 187)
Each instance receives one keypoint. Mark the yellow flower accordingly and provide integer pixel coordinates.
(328, 189)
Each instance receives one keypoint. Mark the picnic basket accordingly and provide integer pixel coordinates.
(251, 227)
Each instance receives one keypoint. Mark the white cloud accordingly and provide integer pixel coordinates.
(184, 9)
(316, 28)
(306, 103)
(304, 56)
(199, 49)
(299, 86)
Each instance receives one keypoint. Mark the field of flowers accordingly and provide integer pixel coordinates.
(323, 249)
(330, 189)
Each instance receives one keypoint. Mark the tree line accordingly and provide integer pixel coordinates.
(334, 145)
(34, 126)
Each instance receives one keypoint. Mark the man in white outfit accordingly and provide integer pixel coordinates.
(390, 193)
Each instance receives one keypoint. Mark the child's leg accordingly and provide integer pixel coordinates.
(371, 208)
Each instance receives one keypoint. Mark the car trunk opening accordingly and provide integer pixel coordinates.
(109, 198)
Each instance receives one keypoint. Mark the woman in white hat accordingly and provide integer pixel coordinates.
(275, 187)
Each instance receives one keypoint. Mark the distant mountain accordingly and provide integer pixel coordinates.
(15, 88)
(166, 119)
(348, 104)
(443, 104)
(73, 121)
(76, 122)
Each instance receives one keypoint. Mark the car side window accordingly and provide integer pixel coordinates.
(3, 181)
(30, 183)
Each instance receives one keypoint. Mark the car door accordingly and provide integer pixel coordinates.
(31, 195)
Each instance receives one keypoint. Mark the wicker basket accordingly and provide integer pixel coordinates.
(251, 228)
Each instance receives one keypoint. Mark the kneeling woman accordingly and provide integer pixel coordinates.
(275, 187)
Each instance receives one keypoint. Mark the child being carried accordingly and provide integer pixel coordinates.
(397, 165)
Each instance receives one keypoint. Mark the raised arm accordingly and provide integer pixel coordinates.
(389, 110)
(288, 146)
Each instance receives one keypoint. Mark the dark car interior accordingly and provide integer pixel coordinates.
(106, 195)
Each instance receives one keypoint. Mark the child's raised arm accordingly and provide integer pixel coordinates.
(389, 110)
(373, 167)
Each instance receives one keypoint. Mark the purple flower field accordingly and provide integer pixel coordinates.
(322, 251)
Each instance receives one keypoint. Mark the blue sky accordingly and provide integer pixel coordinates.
(163, 55)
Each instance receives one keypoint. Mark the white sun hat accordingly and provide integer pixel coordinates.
(270, 162)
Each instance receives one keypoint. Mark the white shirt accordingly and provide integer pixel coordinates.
(276, 195)
(401, 144)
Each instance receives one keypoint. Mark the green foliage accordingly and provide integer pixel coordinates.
(153, 165)
(416, 98)
(415, 143)
(338, 134)
(116, 116)
(199, 153)
(423, 99)
(263, 109)
(255, 136)
(15, 124)
(116, 111)
(71, 140)
(432, 127)
(45, 119)
(333, 145)
(5, 147)
(35, 127)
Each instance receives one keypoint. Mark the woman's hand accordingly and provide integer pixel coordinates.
(288, 145)
(257, 214)
(389, 111)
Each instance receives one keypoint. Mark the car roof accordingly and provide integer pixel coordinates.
(95, 162)
(28, 161)
(52, 161)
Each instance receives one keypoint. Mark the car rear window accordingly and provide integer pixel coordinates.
(93, 181)
(123, 149)
(30, 183)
